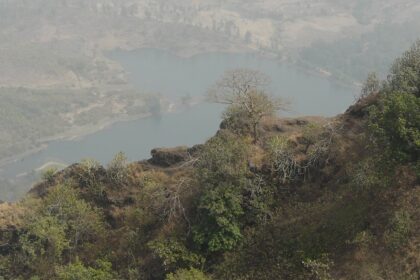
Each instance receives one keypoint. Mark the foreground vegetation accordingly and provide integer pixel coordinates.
(265, 198)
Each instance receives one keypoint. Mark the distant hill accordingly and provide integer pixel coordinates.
(48, 42)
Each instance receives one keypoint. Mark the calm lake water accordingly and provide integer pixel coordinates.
(159, 71)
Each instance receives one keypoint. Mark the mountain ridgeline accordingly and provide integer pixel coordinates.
(265, 198)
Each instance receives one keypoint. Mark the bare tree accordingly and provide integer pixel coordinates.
(283, 160)
(246, 91)
(237, 83)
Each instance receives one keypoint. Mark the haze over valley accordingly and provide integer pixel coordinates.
(70, 68)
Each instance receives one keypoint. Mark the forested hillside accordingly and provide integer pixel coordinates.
(265, 198)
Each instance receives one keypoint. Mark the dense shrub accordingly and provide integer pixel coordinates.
(48, 174)
(174, 254)
(221, 209)
(398, 230)
(59, 228)
(236, 121)
(395, 126)
(405, 72)
(77, 271)
(318, 269)
(221, 174)
(117, 170)
(187, 274)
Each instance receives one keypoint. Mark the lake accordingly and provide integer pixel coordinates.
(175, 77)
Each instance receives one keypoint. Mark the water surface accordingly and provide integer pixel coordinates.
(158, 71)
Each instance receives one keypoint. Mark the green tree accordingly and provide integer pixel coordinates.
(55, 228)
(221, 172)
(187, 274)
(174, 254)
(222, 159)
(83, 222)
(77, 271)
(405, 72)
(395, 125)
(221, 229)
(44, 242)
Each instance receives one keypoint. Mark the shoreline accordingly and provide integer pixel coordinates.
(79, 132)
(74, 134)
(264, 53)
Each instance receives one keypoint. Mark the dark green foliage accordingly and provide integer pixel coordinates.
(187, 274)
(395, 121)
(59, 229)
(369, 174)
(48, 174)
(77, 271)
(395, 125)
(44, 242)
(82, 221)
(174, 254)
(221, 174)
(405, 72)
(236, 120)
(220, 210)
(223, 159)
(398, 230)
(259, 199)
